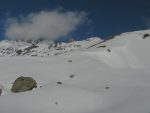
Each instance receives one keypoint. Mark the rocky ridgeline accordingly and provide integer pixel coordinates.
(41, 48)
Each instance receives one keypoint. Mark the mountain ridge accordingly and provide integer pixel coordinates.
(40, 48)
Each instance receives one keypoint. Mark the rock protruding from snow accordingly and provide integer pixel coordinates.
(22, 84)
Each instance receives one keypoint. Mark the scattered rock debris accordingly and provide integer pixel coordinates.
(71, 76)
(108, 50)
(59, 83)
(107, 87)
(69, 60)
(56, 103)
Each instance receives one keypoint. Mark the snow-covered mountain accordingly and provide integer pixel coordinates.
(111, 76)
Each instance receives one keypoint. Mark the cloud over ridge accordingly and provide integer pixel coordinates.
(44, 24)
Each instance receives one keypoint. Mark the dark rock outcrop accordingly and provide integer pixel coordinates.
(146, 35)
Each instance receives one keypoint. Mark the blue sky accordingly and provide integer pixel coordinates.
(104, 17)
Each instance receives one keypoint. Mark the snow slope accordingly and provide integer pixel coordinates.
(100, 77)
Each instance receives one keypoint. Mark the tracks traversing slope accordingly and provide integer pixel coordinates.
(96, 44)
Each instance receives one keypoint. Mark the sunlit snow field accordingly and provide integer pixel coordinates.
(111, 79)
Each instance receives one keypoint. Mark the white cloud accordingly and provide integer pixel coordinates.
(45, 24)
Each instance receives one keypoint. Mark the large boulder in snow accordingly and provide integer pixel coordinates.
(22, 84)
(0, 92)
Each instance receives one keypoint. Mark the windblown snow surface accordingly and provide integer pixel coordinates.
(108, 77)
